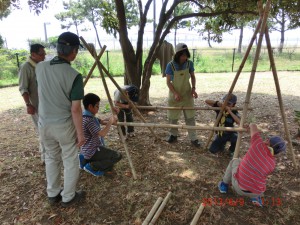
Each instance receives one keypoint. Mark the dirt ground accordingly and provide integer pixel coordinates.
(191, 174)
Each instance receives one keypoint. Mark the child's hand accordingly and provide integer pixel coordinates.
(116, 110)
(113, 119)
(246, 126)
(228, 108)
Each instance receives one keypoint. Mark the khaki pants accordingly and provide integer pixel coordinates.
(189, 122)
(229, 178)
(61, 150)
(35, 119)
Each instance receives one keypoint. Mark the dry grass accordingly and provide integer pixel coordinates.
(190, 174)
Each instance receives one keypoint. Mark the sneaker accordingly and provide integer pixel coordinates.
(257, 201)
(56, 199)
(196, 143)
(88, 168)
(79, 197)
(223, 187)
(81, 161)
(172, 138)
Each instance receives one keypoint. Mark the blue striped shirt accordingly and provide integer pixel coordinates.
(90, 131)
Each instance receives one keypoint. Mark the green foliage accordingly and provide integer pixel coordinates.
(50, 44)
(9, 66)
(106, 108)
(8, 57)
(72, 16)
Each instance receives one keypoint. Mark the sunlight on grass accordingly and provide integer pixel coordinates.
(206, 84)
(188, 174)
(175, 157)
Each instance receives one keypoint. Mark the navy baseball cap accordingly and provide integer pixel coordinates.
(232, 98)
(278, 144)
(133, 92)
(68, 38)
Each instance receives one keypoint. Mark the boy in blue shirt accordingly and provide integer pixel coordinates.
(94, 157)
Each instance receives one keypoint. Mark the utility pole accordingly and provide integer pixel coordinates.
(45, 30)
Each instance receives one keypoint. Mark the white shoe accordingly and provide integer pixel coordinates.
(131, 134)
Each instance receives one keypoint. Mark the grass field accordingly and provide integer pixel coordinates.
(206, 61)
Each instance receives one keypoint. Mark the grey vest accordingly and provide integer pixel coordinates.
(54, 87)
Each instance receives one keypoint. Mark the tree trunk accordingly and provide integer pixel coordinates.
(97, 36)
(131, 59)
(241, 39)
(282, 30)
(208, 39)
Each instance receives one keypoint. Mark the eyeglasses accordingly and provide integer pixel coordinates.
(41, 53)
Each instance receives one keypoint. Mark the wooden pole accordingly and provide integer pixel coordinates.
(160, 209)
(253, 71)
(155, 125)
(152, 211)
(185, 108)
(93, 67)
(132, 105)
(236, 78)
(111, 107)
(279, 96)
(198, 214)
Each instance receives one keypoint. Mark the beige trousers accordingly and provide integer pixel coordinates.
(229, 178)
(61, 150)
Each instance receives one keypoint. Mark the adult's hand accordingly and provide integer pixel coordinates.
(194, 93)
(177, 97)
(31, 109)
(80, 140)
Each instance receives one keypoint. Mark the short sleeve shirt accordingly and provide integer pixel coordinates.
(169, 69)
(90, 130)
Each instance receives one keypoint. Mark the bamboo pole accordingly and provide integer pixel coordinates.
(160, 209)
(279, 96)
(156, 125)
(198, 214)
(132, 105)
(93, 67)
(253, 71)
(236, 77)
(152, 211)
(186, 108)
(111, 107)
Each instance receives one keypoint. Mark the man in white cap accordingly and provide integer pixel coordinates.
(181, 92)
(60, 90)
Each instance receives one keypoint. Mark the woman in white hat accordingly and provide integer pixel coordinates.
(181, 92)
